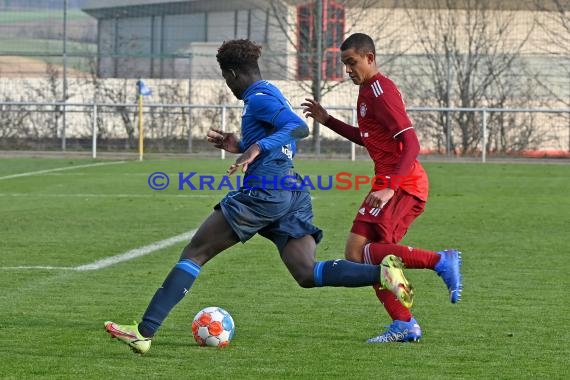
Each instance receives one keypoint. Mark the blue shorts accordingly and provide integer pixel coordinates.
(277, 215)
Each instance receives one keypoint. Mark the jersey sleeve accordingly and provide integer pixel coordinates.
(390, 111)
(345, 130)
(410, 150)
(287, 125)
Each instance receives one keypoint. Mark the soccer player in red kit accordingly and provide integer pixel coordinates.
(400, 189)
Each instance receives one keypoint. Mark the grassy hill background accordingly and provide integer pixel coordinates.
(32, 39)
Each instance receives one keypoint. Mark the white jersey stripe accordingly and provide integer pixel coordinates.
(376, 88)
(403, 130)
(367, 259)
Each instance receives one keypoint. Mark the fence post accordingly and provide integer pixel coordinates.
(64, 92)
(190, 129)
(94, 131)
(484, 139)
(353, 145)
(223, 128)
(448, 133)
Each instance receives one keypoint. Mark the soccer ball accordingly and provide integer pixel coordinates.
(213, 326)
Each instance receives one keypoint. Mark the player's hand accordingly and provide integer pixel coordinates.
(379, 198)
(223, 140)
(312, 108)
(245, 159)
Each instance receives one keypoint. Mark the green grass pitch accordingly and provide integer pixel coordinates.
(510, 220)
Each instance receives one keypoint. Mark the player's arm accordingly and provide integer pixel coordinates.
(312, 108)
(410, 151)
(227, 141)
(345, 130)
(288, 126)
(390, 111)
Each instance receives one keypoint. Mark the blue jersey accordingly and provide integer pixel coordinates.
(269, 121)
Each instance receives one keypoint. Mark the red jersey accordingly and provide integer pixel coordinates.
(382, 117)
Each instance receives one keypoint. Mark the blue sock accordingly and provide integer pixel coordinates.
(174, 288)
(345, 273)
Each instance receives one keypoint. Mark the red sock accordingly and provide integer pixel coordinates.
(393, 306)
(414, 258)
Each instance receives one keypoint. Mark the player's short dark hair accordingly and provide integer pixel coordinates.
(239, 55)
(360, 42)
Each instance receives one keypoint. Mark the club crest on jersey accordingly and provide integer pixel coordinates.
(362, 109)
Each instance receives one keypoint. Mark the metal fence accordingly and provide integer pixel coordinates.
(181, 128)
(501, 70)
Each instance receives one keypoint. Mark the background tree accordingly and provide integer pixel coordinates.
(466, 51)
(554, 23)
(50, 88)
(318, 44)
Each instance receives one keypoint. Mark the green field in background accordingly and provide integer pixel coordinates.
(511, 222)
(53, 16)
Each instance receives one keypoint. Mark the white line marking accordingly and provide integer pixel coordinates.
(137, 252)
(27, 174)
(46, 267)
(125, 256)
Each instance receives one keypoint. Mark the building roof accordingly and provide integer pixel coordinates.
(123, 8)
(139, 8)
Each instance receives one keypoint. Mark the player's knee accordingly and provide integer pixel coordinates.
(306, 283)
(353, 255)
(200, 255)
(305, 279)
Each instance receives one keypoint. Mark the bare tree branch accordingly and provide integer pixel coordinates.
(468, 51)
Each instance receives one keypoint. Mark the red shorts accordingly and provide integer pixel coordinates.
(390, 223)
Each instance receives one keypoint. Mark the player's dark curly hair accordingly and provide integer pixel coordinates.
(239, 55)
(360, 42)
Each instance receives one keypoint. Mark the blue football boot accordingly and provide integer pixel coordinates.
(449, 269)
(399, 331)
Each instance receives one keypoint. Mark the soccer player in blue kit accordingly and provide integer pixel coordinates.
(282, 214)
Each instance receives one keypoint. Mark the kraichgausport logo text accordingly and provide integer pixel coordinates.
(340, 181)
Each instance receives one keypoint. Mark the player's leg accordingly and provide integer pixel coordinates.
(358, 238)
(299, 258)
(301, 264)
(393, 223)
(355, 244)
(296, 238)
(446, 263)
(363, 231)
(238, 216)
(200, 250)
(178, 282)
(413, 257)
(389, 227)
